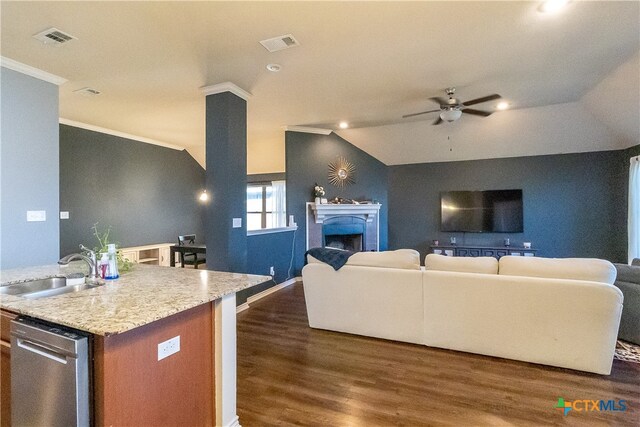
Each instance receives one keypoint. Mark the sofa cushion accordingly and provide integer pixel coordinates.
(628, 273)
(485, 264)
(589, 269)
(404, 259)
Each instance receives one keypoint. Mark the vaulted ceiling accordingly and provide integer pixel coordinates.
(571, 78)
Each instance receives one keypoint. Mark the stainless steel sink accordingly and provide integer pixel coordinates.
(45, 288)
(34, 286)
(59, 291)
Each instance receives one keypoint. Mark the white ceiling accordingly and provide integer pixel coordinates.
(365, 62)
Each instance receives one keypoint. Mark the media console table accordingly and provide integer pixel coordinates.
(474, 251)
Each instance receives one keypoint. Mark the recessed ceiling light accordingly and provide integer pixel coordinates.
(274, 68)
(343, 125)
(553, 6)
(502, 105)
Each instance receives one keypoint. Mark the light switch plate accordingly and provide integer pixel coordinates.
(35, 216)
(168, 347)
(237, 222)
(64, 215)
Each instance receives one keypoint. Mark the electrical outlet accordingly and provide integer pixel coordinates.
(237, 222)
(36, 216)
(64, 214)
(272, 271)
(168, 347)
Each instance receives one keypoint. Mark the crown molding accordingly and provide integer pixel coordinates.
(31, 71)
(86, 126)
(226, 87)
(306, 129)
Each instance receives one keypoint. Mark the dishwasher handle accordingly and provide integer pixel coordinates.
(41, 350)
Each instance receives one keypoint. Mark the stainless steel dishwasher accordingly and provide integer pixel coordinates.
(49, 375)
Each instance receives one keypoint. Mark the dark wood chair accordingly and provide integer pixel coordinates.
(189, 258)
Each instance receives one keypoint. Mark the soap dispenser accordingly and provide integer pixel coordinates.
(104, 264)
(112, 267)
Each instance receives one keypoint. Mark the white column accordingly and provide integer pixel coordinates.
(225, 361)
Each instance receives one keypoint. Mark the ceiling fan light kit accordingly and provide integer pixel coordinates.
(451, 115)
(451, 109)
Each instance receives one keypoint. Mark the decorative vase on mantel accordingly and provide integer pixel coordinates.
(318, 200)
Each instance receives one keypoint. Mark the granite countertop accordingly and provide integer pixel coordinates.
(141, 296)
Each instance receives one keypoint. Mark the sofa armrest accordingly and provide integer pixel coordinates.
(630, 322)
(372, 301)
(628, 273)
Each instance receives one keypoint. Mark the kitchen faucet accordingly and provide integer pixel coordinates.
(91, 260)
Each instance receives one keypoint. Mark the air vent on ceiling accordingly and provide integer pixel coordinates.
(53, 36)
(87, 91)
(278, 43)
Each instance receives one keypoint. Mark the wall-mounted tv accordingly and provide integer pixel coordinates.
(495, 211)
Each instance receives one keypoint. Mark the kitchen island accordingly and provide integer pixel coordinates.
(128, 318)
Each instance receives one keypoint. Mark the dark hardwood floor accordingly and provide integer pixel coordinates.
(290, 374)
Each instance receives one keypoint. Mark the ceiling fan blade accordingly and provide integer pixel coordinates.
(417, 114)
(477, 112)
(440, 101)
(437, 122)
(483, 99)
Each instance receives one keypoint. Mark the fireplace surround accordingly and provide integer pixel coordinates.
(345, 226)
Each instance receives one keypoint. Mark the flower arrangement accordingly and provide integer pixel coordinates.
(318, 191)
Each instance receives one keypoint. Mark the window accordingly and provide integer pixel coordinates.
(266, 205)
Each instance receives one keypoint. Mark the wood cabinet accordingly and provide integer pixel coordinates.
(132, 387)
(475, 251)
(149, 254)
(5, 367)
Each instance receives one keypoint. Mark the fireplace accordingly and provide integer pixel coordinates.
(352, 227)
(345, 232)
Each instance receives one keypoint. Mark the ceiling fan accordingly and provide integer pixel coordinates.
(451, 109)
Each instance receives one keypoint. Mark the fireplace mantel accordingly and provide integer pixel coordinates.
(324, 211)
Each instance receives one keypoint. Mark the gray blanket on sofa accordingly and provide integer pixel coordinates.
(336, 258)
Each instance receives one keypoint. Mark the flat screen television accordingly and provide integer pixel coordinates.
(495, 211)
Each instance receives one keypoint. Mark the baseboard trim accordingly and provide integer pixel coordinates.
(271, 290)
(234, 423)
(244, 306)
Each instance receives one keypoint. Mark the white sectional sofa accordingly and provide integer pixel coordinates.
(558, 312)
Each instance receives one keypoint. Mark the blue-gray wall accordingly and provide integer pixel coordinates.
(574, 204)
(146, 193)
(307, 159)
(264, 251)
(28, 170)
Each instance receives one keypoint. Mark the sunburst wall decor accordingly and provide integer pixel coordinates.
(341, 172)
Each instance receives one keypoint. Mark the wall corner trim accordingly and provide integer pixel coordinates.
(226, 87)
(31, 71)
(125, 135)
(307, 129)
